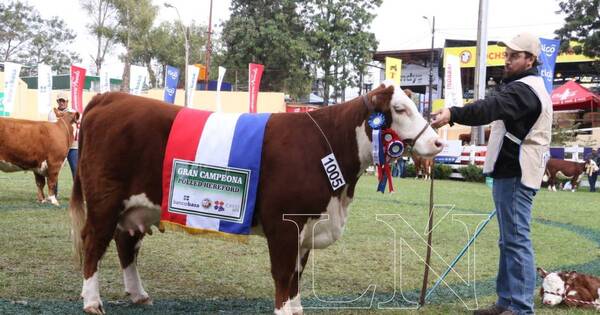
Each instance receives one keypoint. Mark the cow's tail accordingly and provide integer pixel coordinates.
(78, 215)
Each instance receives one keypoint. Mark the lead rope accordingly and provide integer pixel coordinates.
(321, 130)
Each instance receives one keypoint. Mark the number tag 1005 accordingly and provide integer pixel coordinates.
(333, 172)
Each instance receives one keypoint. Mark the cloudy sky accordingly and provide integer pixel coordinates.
(399, 23)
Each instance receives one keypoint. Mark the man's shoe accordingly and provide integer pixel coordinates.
(493, 310)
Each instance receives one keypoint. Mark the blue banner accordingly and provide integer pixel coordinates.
(548, 58)
(171, 80)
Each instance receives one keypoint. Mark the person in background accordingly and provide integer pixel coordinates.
(62, 101)
(592, 160)
(517, 152)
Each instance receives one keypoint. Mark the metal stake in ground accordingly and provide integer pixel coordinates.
(429, 227)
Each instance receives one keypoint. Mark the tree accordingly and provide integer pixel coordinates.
(268, 32)
(582, 24)
(168, 44)
(338, 31)
(27, 38)
(135, 18)
(103, 26)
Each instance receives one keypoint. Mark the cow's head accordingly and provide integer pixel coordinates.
(70, 117)
(553, 290)
(406, 120)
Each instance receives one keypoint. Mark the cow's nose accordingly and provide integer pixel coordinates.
(439, 143)
(546, 302)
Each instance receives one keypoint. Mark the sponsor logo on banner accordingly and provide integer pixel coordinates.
(393, 69)
(104, 81)
(137, 78)
(44, 88)
(77, 82)
(11, 81)
(194, 185)
(548, 59)
(452, 85)
(254, 75)
(171, 81)
(190, 85)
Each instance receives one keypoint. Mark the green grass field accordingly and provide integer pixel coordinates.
(185, 274)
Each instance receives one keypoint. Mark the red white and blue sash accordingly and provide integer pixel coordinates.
(221, 140)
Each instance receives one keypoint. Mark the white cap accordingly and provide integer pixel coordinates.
(524, 42)
(62, 95)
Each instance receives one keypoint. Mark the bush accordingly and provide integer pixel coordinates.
(442, 171)
(472, 173)
(409, 170)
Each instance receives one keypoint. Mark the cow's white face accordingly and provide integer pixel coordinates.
(408, 122)
(554, 284)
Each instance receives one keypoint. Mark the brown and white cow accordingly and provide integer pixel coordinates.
(571, 288)
(561, 169)
(118, 181)
(37, 146)
(423, 166)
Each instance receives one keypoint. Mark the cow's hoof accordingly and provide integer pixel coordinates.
(142, 300)
(94, 308)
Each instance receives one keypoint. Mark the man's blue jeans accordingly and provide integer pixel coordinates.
(515, 284)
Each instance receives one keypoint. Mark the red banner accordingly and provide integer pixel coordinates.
(77, 83)
(254, 74)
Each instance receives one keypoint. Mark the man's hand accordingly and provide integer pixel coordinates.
(442, 117)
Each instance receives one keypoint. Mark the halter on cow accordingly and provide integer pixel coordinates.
(120, 172)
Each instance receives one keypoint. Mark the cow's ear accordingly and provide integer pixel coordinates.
(77, 116)
(543, 273)
(382, 98)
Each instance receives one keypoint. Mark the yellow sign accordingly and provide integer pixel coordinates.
(393, 67)
(495, 56)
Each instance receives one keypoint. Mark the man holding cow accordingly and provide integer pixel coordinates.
(521, 117)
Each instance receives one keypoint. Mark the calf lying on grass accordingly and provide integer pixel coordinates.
(571, 288)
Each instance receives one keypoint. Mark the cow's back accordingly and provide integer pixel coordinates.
(122, 143)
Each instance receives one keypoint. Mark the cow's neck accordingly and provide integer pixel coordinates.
(68, 128)
(344, 126)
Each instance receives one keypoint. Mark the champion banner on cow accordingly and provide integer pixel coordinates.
(171, 80)
(219, 82)
(11, 81)
(255, 72)
(190, 84)
(393, 69)
(211, 171)
(77, 83)
(137, 78)
(44, 88)
(452, 85)
(548, 58)
(104, 81)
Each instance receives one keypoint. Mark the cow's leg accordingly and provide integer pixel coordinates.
(52, 181)
(40, 182)
(283, 251)
(295, 301)
(128, 248)
(97, 233)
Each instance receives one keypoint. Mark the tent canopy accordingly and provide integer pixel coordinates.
(572, 96)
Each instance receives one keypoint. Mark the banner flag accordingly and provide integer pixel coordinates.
(77, 83)
(255, 72)
(190, 86)
(219, 82)
(11, 81)
(171, 80)
(104, 81)
(452, 85)
(137, 78)
(44, 88)
(393, 69)
(548, 58)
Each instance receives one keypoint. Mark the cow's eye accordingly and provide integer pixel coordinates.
(400, 111)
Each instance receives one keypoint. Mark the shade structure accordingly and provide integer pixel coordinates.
(573, 96)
